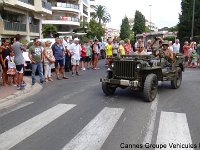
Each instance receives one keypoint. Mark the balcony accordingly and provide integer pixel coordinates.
(66, 6)
(85, 1)
(63, 20)
(46, 5)
(34, 28)
(14, 26)
(31, 2)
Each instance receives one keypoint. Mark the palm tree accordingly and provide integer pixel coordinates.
(101, 14)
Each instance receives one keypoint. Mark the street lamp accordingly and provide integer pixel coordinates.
(192, 31)
(150, 18)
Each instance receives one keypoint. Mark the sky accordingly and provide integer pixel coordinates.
(164, 13)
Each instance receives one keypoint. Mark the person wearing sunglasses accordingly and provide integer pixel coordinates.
(140, 50)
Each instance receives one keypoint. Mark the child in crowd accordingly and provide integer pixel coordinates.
(194, 57)
(11, 72)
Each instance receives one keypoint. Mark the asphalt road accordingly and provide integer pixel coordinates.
(75, 114)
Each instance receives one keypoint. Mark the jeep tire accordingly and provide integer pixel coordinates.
(176, 82)
(107, 89)
(150, 87)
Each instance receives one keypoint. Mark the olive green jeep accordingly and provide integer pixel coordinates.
(142, 73)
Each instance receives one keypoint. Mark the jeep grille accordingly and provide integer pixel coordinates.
(124, 69)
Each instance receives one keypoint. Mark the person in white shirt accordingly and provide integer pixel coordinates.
(176, 46)
(140, 50)
(139, 42)
(75, 50)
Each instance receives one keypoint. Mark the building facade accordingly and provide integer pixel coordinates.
(26, 17)
(67, 15)
(23, 17)
(111, 33)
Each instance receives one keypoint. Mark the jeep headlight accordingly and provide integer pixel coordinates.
(139, 65)
(112, 65)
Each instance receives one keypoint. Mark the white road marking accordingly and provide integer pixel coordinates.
(173, 128)
(17, 134)
(8, 104)
(150, 125)
(94, 134)
(16, 108)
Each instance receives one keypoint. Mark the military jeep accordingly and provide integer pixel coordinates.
(142, 73)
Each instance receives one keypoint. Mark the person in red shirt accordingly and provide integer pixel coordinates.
(83, 56)
(186, 48)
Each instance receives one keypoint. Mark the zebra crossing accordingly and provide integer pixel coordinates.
(173, 128)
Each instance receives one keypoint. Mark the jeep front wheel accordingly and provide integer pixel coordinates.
(107, 89)
(176, 82)
(150, 87)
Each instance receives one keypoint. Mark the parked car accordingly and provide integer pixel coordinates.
(26, 57)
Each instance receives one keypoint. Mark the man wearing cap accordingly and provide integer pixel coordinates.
(59, 52)
(75, 50)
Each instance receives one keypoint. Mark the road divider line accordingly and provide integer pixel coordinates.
(16, 108)
(174, 131)
(94, 134)
(17, 134)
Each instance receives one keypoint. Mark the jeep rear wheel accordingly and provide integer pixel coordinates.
(107, 89)
(176, 82)
(150, 87)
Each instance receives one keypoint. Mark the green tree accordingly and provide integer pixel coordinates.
(185, 19)
(101, 14)
(139, 23)
(173, 29)
(125, 29)
(48, 30)
(95, 29)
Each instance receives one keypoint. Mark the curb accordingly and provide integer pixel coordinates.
(22, 94)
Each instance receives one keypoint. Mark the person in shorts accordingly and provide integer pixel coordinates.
(83, 56)
(88, 54)
(75, 50)
(109, 51)
(19, 61)
(59, 53)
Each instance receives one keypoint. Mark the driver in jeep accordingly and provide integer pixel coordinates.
(166, 53)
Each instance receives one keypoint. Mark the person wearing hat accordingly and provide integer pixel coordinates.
(166, 52)
(75, 50)
(49, 59)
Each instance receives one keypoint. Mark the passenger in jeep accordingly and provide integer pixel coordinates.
(140, 50)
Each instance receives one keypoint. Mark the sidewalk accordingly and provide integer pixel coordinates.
(11, 92)
(6, 91)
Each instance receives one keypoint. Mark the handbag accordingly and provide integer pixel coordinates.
(52, 59)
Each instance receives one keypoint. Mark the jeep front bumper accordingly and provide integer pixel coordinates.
(120, 82)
